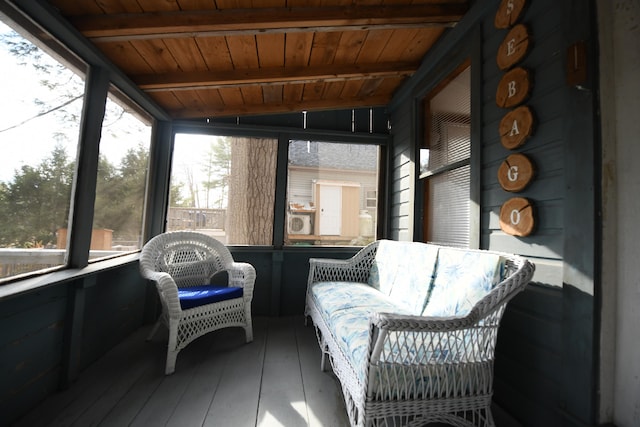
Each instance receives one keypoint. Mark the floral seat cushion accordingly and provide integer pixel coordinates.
(351, 328)
(332, 297)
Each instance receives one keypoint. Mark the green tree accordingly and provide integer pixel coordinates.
(175, 195)
(34, 203)
(120, 194)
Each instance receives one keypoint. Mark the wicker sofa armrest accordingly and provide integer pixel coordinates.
(355, 269)
(400, 322)
(417, 340)
(428, 357)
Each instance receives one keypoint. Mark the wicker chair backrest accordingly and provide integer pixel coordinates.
(190, 258)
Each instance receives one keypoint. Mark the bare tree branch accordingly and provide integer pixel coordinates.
(44, 113)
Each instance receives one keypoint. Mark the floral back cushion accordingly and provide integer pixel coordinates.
(462, 279)
(404, 272)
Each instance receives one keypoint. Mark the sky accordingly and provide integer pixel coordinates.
(27, 143)
(27, 139)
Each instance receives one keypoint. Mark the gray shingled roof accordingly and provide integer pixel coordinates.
(333, 155)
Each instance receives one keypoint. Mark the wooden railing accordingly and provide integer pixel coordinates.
(15, 261)
(195, 218)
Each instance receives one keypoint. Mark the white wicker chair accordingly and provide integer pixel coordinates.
(184, 262)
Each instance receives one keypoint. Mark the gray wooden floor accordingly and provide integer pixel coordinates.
(219, 381)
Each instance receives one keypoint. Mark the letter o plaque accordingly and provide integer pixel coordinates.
(517, 217)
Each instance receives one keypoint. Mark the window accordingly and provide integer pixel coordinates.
(445, 161)
(331, 193)
(224, 186)
(122, 171)
(39, 127)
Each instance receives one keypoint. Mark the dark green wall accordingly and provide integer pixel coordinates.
(546, 360)
(48, 336)
(31, 336)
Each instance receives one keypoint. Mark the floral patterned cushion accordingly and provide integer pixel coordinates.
(351, 328)
(462, 279)
(404, 271)
(335, 296)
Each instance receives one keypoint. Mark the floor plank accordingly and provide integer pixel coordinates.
(236, 400)
(219, 381)
(325, 404)
(282, 393)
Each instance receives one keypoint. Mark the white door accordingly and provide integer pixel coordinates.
(330, 210)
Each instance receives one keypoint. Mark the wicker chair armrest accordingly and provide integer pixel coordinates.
(243, 275)
(168, 291)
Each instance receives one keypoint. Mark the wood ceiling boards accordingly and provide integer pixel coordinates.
(212, 58)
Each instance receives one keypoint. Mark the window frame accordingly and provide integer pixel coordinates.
(284, 135)
(99, 75)
(469, 53)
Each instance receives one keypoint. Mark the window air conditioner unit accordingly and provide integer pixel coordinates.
(299, 224)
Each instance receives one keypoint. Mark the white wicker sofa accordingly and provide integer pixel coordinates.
(410, 329)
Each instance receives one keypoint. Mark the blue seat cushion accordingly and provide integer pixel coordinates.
(196, 296)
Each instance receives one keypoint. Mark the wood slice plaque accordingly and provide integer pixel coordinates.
(517, 217)
(514, 88)
(509, 12)
(514, 47)
(515, 173)
(516, 127)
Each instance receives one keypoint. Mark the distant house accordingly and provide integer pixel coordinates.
(332, 191)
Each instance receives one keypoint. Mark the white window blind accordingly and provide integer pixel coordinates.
(448, 221)
(446, 163)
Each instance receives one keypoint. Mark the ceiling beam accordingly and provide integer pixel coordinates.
(257, 109)
(206, 23)
(267, 76)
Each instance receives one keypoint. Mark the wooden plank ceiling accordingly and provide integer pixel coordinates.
(213, 58)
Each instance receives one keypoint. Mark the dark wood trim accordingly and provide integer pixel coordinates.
(157, 197)
(292, 107)
(475, 186)
(280, 214)
(84, 184)
(580, 327)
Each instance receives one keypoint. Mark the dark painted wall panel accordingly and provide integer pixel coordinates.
(262, 261)
(401, 196)
(536, 341)
(114, 308)
(31, 336)
(35, 334)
